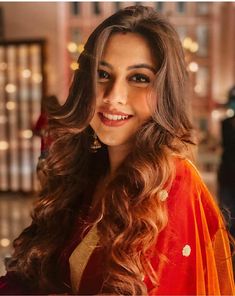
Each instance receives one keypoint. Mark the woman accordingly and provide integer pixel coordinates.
(123, 212)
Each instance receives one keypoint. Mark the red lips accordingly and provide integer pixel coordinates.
(113, 112)
(113, 123)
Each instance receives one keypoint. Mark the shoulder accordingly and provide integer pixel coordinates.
(186, 245)
(187, 179)
(189, 199)
(187, 171)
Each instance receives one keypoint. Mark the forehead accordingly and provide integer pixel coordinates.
(129, 48)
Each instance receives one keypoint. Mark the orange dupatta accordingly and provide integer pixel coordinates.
(195, 241)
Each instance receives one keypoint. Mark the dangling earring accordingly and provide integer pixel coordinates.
(96, 143)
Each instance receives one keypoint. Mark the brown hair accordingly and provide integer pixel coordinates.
(132, 213)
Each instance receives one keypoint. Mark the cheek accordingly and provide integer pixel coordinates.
(98, 102)
(99, 94)
(142, 107)
(94, 123)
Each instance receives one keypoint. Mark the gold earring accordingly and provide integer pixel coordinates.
(96, 143)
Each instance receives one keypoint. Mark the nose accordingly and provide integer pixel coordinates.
(116, 93)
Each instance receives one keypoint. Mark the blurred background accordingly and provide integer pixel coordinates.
(39, 46)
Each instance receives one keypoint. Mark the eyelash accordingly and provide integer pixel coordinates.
(102, 72)
(140, 77)
(103, 76)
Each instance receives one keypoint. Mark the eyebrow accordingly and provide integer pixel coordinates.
(138, 66)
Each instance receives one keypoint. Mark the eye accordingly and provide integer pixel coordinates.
(140, 78)
(103, 75)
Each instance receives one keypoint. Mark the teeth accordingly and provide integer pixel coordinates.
(114, 117)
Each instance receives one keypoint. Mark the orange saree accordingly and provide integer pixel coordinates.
(192, 255)
(195, 241)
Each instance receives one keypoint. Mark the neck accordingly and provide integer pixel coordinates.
(116, 156)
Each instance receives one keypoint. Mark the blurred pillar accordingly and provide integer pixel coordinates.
(223, 61)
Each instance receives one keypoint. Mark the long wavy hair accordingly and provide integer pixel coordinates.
(132, 215)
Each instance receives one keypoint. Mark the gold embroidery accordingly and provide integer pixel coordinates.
(80, 256)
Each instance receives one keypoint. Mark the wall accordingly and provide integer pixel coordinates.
(34, 20)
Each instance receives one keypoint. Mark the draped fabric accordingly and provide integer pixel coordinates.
(191, 257)
(195, 242)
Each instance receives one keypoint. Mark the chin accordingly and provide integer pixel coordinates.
(112, 141)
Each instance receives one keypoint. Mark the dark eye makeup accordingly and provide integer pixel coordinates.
(140, 78)
(103, 75)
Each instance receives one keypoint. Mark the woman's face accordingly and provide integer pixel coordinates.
(125, 75)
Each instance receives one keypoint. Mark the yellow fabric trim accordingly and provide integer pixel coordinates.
(80, 256)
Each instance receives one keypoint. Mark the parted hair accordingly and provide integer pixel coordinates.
(132, 214)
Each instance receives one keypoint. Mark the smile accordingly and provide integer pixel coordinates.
(113, 119)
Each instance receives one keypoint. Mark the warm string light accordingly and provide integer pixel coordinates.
(193, 67)
(26, 73)
(80, 48)
(37, 78)
(4, 145)
(10, 88)
(5, 242)
(230, 112)
(74, 49)
(27, 134)
(10, 105)
(74, 66)
(190, 47)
